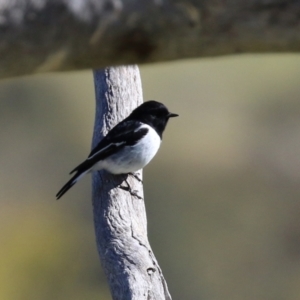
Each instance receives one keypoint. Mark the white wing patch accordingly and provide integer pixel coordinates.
(132, 158)
(110, 145)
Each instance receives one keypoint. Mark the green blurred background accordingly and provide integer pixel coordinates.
(222, 195)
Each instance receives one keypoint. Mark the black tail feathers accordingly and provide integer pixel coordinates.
(80, 170)
(67, 186)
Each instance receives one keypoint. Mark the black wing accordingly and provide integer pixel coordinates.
(126, 133)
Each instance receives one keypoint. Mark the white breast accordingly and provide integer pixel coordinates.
(133, 158)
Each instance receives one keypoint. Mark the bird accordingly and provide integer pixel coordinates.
(127, 147)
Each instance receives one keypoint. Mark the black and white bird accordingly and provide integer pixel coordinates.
(129, 146)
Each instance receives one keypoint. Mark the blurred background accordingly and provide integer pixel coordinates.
(222, 195)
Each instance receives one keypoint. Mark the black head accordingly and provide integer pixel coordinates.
(154, 114)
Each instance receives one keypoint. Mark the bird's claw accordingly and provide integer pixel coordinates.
(127, 188)
(136, 177)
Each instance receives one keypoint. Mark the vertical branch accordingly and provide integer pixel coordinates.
(120, 218)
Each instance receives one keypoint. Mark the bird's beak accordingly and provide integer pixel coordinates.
(172, 115)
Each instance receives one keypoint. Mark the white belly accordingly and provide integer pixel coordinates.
(132, 158)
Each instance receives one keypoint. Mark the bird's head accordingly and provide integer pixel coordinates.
(154, 114)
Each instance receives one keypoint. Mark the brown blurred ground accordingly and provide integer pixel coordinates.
(222, 195)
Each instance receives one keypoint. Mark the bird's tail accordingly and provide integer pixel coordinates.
(70, 183)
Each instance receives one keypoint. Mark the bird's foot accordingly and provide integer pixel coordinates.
(127, 188)
(136, 177)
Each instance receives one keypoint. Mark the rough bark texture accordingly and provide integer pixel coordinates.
(120, 219)
(56, 35)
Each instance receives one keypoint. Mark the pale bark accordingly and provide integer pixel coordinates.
(56, 35)
(120, 218)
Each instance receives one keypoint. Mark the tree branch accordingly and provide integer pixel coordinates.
(120, 218)
(46, 35)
